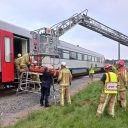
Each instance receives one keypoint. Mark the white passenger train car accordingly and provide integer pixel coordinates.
(14, 40)
(78, 59)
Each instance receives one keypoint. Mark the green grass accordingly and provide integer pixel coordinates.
(76, 115)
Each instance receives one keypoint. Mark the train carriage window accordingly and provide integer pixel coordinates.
(93, 59)
(102, 60)
(7, 43)
(85, 57)
(98, 59)
(60, 53)
(73, 55)
(89, 58)
(65, 54)
(79, 56)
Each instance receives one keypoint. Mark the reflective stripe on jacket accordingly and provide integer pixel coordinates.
(110, 78)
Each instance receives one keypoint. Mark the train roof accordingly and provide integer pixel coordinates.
(14, 29)
(71, 47)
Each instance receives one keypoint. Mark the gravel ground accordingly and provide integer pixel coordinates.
(14, 104)
(14, 107)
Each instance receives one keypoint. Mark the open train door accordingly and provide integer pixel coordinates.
(7, 56)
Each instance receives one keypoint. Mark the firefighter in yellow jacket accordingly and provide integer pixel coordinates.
(64, 79)
(24, 63)
(91, 72)
(17, 64)
(123, 78)
(109, 93)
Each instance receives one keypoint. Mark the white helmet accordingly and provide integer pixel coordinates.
(19, 55)
(63, 63)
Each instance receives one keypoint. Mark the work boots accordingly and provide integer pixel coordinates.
(47, 105)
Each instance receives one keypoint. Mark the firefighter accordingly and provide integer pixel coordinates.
(25, 63)
(122, 77)
(64, 79)
(114, 69)
(109, 92)
(17, 64)
(91, 72)
(47, 80)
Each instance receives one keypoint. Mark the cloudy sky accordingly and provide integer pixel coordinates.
(34, 14)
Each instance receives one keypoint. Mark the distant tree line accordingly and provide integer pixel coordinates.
(113, 62)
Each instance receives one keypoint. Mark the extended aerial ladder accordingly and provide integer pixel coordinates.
(47, 38)
(104, 30)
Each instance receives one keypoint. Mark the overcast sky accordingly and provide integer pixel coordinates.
(34, 14)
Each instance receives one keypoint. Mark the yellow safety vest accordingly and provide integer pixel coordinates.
(111, 79)
(91, 71)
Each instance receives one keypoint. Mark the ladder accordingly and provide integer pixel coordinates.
(45, 40)
(62, 27)
(26, 82)
(106, 31)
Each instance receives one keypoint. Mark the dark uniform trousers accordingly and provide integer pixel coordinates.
(45, 92)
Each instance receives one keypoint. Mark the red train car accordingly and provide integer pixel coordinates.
(13, 40)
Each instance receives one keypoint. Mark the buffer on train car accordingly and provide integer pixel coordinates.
(6, 56)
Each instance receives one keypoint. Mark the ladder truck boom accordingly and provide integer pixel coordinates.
(62, 27)
(48, 38)
(104, 30)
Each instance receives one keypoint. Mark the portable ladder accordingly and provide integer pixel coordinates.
(26, 82)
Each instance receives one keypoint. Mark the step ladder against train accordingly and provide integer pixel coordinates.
(27, 84)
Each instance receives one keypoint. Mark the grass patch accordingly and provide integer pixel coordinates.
(76, 115)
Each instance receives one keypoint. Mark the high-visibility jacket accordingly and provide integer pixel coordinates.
(111, 79)
(91, 71)
(65, 77)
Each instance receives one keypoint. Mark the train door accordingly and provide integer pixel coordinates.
(20, 45)
(7, 56)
